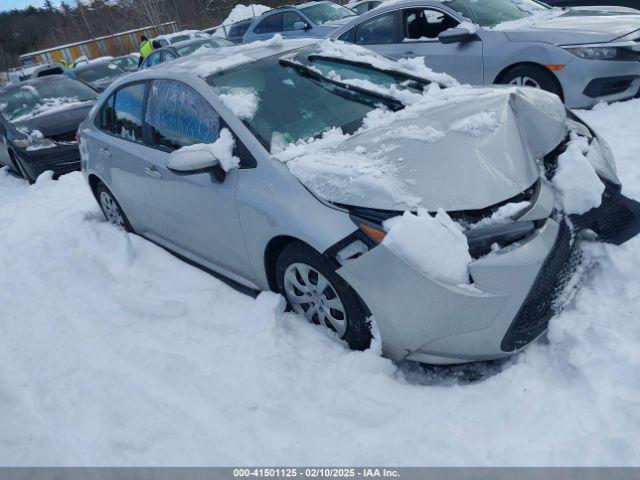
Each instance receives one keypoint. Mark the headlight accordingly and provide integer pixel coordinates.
(31, 144)
(605, 52)
(481, 240)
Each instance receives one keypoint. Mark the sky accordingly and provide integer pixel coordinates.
(10, 4)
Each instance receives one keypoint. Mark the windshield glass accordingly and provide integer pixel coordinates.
(212, 43)
(30, 100)
(98, 72)
(288, 105)
(127, 62)
(326, 12)
(489, 13)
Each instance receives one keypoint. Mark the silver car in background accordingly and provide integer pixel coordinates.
(168, 156)
(584, 55)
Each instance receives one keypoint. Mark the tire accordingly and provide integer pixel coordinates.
(300, 273)
(111, 208)
(532, 76)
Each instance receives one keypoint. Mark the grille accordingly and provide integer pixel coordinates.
(541, 303)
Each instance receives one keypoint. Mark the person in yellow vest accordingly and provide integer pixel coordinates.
(64, 63)
(146, 47)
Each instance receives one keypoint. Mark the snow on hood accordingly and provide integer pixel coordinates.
(576, 25)
(458, 148)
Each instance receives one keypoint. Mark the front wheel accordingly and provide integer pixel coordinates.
(312, 288)
(532, 76)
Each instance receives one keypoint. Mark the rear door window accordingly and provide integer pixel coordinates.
(378, 30)
(127, 112)
(178, 116)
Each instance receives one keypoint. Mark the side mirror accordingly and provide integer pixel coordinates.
(456, 35)
(193, 159)
(300, 26)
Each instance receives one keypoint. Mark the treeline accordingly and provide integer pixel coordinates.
(36, 28)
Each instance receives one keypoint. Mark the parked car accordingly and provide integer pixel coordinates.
(583, 56)
(97, 74)
(234, 32)
(181, 36)
(312, 19)
(39, 121)
(241, 168)
(18, 75)
(593, 3)
(128, 63)
(182, 49)
(363, 6)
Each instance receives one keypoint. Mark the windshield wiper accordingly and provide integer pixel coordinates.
(391, 102)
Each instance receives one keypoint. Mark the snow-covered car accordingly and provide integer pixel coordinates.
(366, 191)
(127, 62)
(181, 36)
(182, 49)
(97, 74)
(40, 119)
(584, 56)
(308, 20)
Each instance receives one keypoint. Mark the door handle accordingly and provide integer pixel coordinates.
(105, 152)
(152, 172)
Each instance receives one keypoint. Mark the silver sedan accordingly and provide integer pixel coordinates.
(583, 55)
(278, 164)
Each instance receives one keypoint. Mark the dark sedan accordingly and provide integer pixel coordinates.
(97, 74)
(38, 124)
(182, 49)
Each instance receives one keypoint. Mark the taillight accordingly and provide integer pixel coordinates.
(77, 138)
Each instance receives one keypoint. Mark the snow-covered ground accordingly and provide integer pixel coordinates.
(113, 352)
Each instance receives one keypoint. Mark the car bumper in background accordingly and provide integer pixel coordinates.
(588, 82)
(61, 159)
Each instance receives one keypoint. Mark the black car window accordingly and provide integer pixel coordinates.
(425, 23)
(128, 105)
(178, 116)
(289, 19)
(105, 117)
(377, 30)
(349, 36)
(271, 24)
(238, 29)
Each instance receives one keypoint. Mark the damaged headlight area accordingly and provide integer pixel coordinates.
(32, 144)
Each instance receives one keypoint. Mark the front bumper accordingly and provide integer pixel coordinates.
(588, 82)
(514, 295)
(61, 159)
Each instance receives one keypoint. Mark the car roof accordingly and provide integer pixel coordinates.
(32, 81)
(296, 6)
(193, 41)
(87, 66)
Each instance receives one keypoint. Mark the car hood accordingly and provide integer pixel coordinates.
(579, 25)
(456, 156)
(61, 121)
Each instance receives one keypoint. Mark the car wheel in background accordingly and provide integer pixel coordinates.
(111, 208)
(532, 76)
(312, 288)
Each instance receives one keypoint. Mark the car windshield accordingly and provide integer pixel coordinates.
(98, 72)
(126, 62)
(326, 12)
(34, 99)
(211, 43)
(291, 105)
(489, 13)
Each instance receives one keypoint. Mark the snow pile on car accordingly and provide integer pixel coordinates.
(243, 102)
(238, 13)
(221, 149)
(434, 245)
(48, 106)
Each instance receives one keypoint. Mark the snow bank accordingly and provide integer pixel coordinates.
(229, 380)
(222, 149)
(241, 12)
(578, 187)
(434, 246)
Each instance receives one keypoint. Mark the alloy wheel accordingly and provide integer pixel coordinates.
(310, 294)
(525, 82)
(111, 209)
